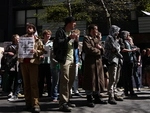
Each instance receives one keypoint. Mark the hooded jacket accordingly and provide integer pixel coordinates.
(112, 47)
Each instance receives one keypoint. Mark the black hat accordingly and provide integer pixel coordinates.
(69, 20)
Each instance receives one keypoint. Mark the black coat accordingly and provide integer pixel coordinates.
(60, 45)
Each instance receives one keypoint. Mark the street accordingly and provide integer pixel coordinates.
(140, 104)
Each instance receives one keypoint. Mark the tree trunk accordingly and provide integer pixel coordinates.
(69, 7)
(107, 14)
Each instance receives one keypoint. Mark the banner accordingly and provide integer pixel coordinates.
(25, 45)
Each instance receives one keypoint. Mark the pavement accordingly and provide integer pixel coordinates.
(140, 104)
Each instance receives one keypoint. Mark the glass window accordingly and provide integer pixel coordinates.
(31, 13)
(31, 20)
(39, 21)
(20, 18)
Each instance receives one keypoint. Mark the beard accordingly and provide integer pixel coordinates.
(30, 33)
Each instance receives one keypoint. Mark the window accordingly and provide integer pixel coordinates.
(31, 13)
(40, 22)
(20, 18)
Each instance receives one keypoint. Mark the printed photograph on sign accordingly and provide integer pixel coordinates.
(26, 44)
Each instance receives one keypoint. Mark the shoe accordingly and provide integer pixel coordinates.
(10, 95)
(13, 98)
(112, 101)
(97, 100)
(45, 94)
(78, 94)
(102, 95)
(138, 90)
(71, 105)
(90, 102)
(54, 100)
(118, 98)
(36, 109)
(65, 108)
(20, 95)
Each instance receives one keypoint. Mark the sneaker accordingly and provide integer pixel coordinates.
(65, 108)
(13, 98)
(45, 94)
(10, 95)
(20, 95)
(138, 90)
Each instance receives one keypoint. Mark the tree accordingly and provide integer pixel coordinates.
(91, 10)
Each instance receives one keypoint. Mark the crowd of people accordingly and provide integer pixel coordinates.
(51, 64)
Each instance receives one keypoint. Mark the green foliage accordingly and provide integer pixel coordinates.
(56, 13)
(118, 9)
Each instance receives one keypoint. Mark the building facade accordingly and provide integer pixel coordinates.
(16, 13)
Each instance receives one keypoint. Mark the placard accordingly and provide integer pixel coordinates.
(25, 45)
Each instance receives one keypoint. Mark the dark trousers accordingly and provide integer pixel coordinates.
(127, 72)
(44, 73)
(12, 80)
(136, 77)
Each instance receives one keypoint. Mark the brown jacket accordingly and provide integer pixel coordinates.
(39, 51)
(93, 75)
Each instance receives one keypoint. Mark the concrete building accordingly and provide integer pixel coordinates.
(16, 13)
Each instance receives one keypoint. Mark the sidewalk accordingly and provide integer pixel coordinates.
(141, 104)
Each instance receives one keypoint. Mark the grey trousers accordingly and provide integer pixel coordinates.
(114, 76)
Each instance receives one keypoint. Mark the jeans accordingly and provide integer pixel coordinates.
(55, 82)
(19, 83)
(75, 84)
(136, 76)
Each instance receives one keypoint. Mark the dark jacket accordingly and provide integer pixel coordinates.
(60, 45)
